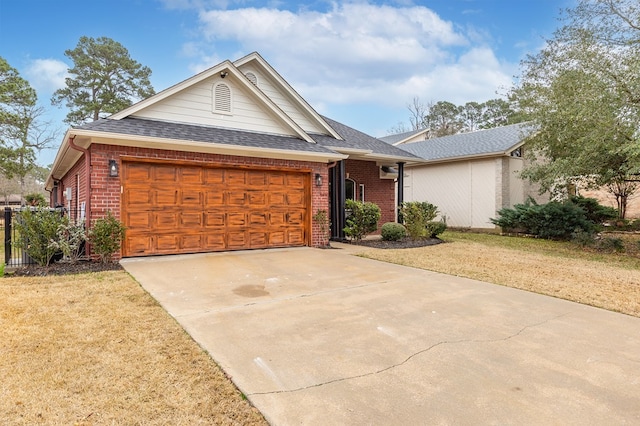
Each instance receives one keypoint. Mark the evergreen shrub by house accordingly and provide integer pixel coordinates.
(105, 237)
(392, 231)
(362, 219)
(416, 215)
(36, 228)
(553, 220)
(436, 228)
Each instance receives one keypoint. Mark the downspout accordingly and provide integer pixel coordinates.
(87, 167)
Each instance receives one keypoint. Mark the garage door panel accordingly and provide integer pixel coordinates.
(191, 242)
(165, 219)
(165, 174)
(236, 198)
(235, 177)
(191, 175)
(214, 219)
(258, 239)
(138, 220)
(236, 240)
(295, 236)
(138, 172)
(137, 245)
(213, 176)
(186, 209)
(236, 219)
(167, 243)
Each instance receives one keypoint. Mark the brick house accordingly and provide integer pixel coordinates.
(231, 158)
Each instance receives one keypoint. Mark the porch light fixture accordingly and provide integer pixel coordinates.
(318, 179)
(113, 168)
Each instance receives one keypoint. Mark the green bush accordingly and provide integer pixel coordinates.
(583, 239)
(416, 215)
(594, 211)
(70, 240)
(105, 237)
(554, 220)
(436, 228)
(392, 231)
(36, 229)
(362, 219)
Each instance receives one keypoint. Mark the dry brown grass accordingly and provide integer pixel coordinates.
(97, 349)
(609, 281)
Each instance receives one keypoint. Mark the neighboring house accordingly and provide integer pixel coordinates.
(470, 176)
(232, 158)
(406, 137)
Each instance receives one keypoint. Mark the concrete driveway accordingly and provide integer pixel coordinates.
(322, 337)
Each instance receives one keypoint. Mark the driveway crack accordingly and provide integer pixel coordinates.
(410, 357)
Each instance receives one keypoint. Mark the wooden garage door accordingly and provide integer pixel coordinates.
(186, 209)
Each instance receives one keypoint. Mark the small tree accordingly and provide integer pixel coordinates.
(105, 237)
(362, 219)
(416, 215)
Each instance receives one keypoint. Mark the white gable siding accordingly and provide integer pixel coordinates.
(194, 105)
(463, 191)
(283, 100)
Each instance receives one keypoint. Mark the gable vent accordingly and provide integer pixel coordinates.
(252, 78)
(221, 98)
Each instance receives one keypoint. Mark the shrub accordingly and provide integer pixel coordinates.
(105, 237)
(36, 229)
(594, 211)
(392, 231)
(436, 228)
(554, 220)
(362, 219)
(70, 240)
(583, 238)
(416, 215)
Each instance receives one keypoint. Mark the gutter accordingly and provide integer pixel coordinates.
(87, 167)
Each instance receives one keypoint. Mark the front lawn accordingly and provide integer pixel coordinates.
(560, 269)
(97, 349)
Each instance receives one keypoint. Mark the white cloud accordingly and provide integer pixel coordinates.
(361, 53)
(46, 75)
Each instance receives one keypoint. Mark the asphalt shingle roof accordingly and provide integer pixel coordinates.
(190, 132)
(489, 141)
(391, 139)
(357, 140)
(181, 131)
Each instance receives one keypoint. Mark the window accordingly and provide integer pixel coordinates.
(222, 98)
(362, 192)
(349, 189)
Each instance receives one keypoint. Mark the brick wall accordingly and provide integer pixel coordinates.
(106, 191)
(376, 190)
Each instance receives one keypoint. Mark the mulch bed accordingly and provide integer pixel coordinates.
(64, 268)
(402, 244)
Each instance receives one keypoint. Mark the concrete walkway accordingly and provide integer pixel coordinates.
(322, 337)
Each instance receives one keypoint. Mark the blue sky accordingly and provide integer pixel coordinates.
(358, 62)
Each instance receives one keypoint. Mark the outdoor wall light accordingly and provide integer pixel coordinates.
(318, 179)
(223, 74)
(113, 168)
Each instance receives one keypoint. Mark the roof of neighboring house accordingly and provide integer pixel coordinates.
(400, 137)
(496, 141)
